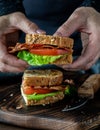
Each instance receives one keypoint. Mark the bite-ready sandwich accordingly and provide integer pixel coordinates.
(43, 86)
(40, 49)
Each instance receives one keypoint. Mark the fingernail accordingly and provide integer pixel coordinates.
(40, 31)
(58, 34)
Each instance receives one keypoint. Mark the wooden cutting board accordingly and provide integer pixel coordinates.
(50, 117)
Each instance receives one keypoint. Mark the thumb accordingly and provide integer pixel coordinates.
(75, 22)
(20, 21)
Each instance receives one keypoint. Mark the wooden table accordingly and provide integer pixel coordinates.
(45, 118)
(11, 127)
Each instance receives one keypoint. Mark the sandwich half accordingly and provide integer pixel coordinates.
(41, 87)
(40, 49)
(45, 86)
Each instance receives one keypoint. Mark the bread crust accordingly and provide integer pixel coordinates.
(48, 77)
(90, 86)
(48, 39)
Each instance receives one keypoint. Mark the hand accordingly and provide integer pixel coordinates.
(87, 21)
(9, 26)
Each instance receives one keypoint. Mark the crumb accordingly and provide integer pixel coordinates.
(11, 94)
(4, 100)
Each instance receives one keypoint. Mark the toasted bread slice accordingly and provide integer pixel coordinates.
(90, 86)
(47, 77)
(62, 42)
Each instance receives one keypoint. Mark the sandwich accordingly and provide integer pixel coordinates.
(40, 49)
(43, 86)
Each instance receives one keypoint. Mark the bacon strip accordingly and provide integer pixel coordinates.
(60, 87)
(26, 46)
(18, 47)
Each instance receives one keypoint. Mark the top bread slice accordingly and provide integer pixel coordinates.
(63, 42)
(47, 77)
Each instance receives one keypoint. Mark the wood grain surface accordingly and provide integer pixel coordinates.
(50, 117)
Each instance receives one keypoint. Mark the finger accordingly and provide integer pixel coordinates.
(8, 58)
(75, 22)
(7, 68)
(85, 41)
(79, 64)
(19, 21)
(90, 64)
(86, 58)
(14, 61)
(67, 67)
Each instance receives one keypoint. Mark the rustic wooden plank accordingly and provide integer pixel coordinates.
(50, 117)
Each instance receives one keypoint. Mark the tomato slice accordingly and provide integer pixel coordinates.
(31, 90)
(46, 51)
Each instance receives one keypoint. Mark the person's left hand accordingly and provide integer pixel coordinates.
(87, 21)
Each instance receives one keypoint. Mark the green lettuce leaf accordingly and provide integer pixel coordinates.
(70, 90)
(41, 96)
(34, 59)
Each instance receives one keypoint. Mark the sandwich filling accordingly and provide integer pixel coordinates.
(33, 59)
(39, 54)
(45, 86)
(39, 94)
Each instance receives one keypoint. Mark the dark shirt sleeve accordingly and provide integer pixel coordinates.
(10, 6)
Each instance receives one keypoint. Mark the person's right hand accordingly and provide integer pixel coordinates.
(9, 26)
